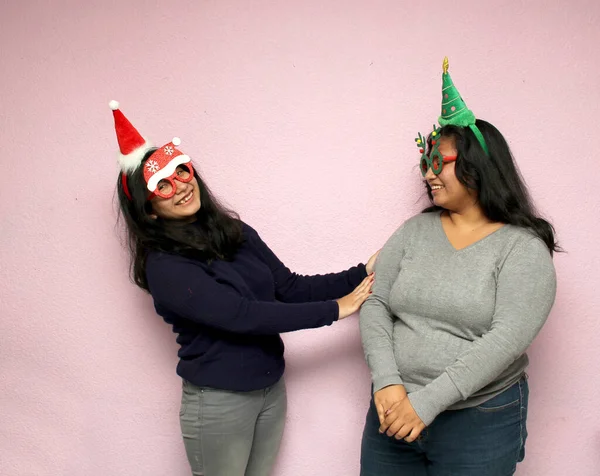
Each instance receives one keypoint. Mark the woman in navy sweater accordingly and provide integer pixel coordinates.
(228, 297)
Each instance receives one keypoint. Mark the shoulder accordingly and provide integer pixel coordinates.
(159, 263)
(162, 258)
(422, 221)
(522, 240)
(248, 231)
(252, 238)
(526, 250)
(417, 225)
(413, 229)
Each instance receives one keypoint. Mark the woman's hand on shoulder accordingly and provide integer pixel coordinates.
(371, 262)
(351, 303)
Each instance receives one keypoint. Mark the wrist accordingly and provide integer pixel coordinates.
(340, 312)
(429, 401)
(382, 381)
(364, 270)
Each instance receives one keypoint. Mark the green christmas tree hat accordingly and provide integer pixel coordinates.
(454, 110)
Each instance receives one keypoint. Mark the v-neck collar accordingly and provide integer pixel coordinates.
(452, 248)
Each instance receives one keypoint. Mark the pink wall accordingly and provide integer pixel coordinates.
(302, 116)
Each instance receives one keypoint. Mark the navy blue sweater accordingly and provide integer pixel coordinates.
(228, 314)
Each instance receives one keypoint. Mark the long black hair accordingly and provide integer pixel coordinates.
(216, 233)
(501, 191)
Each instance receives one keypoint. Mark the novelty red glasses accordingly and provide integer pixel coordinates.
(167, 187)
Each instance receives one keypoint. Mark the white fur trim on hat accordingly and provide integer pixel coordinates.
(130, 162)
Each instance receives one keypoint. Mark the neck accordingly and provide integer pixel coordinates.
(186, 220)
(471, 217)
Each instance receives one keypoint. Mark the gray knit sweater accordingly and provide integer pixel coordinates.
(450, 325)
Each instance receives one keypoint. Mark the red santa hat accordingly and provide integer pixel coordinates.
(132, 146)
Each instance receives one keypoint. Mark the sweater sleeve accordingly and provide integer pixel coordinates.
(376, 318)
(186, 289)
(295, 288)
(525, 292)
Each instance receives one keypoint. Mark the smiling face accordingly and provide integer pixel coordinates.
(448, 192)
(185, 202)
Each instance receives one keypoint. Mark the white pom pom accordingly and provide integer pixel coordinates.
(176, 141)
(114, 105)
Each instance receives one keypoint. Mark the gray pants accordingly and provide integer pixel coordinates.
(232, 433)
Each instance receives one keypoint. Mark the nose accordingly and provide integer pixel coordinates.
(181, 186)
(429, 176)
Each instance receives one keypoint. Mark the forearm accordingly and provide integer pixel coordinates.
(291, 287)
(376, 328)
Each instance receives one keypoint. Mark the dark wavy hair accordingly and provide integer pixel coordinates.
(216, 233)
(501, 191)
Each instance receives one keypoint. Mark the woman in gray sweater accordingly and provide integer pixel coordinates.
(461, 291)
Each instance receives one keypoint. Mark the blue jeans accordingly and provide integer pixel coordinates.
(488, 440)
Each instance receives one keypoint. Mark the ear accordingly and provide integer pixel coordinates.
(153, 216)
